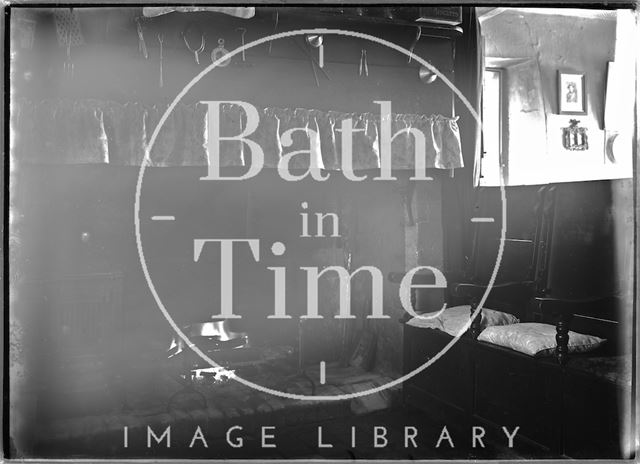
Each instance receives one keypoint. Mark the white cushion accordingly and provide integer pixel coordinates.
(537, 339)
(453, 320)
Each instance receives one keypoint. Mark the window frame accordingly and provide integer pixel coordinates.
(502, 127)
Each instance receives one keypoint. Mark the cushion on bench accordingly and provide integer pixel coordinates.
(453, 320)
(536, 339)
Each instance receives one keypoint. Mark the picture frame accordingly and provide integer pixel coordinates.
(572, 98)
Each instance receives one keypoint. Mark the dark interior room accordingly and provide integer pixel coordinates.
(347, 232)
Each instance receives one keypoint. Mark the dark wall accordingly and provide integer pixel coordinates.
(591, 240)
(592, 248)
(58, 204)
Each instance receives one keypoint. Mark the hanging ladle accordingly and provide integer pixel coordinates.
(427, 75)
(316, 41)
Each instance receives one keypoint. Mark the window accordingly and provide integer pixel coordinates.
(491, 160)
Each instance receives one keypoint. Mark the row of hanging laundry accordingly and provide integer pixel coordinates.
(88, 131)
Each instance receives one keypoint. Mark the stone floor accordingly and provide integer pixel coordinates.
(228, 420)
(216, 406)
(296, 440)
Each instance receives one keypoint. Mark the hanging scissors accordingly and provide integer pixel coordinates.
(195, 51)
(364, 65)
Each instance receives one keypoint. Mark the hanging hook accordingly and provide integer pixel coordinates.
(68, 62)
(219, 52)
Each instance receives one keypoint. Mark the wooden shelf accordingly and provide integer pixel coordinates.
(349, 16)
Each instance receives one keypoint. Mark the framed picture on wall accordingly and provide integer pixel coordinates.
(571, 93)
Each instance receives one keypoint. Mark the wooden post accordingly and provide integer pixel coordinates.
(562, 338)
(476, 323)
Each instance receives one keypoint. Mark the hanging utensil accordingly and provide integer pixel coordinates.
(275, 27)
(161, 40)
(310, 56)
(68, 62)
(316, 41)
(196, 51)
(67, 25)
(315, 74)
(415, 41)
(219, 52)
(426, 75)
(142, 46)
(364, 65)
(243, 31)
